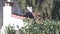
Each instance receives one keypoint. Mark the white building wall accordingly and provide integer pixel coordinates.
(7, 19)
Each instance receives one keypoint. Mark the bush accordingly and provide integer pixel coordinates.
(43, 27)
(9, 30)
(33, 27)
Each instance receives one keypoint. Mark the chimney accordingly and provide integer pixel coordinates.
(7, 10)
(8, 3)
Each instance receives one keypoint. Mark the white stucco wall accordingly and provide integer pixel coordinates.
(7, 19)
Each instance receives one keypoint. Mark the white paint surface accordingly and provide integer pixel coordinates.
(7, 19)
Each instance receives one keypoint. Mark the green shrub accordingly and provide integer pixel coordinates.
(9, 30)
(33, 27)
(45, 26)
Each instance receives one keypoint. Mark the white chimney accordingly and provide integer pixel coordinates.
(7, 9)
(10, 1)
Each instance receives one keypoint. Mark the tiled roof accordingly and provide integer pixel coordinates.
(16, 16)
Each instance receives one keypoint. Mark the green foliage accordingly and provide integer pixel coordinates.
(47, 8)
(33, 27)
(9, 30)
(46, 27)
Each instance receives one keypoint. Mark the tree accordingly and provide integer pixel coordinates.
(46, 8)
